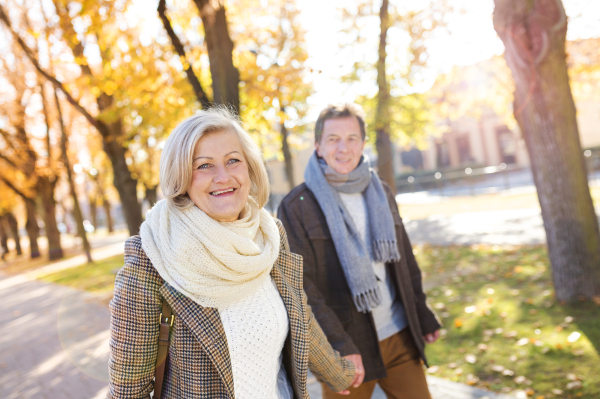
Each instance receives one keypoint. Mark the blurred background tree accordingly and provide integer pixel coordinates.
(534, 34)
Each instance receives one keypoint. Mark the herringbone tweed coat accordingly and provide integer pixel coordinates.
(198, 365)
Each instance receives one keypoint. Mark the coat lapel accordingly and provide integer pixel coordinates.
(207, 327)
(287, 274)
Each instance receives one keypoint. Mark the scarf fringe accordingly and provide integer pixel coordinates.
(386, 251)
(366, 301)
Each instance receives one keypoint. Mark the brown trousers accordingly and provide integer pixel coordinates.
(405, 375)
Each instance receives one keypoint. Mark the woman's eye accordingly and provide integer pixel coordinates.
(233, 161)
(203, 166)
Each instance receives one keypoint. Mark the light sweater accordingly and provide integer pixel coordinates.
(256, 327)
(389, 315)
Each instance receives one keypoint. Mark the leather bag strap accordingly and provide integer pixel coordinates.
(166, 321)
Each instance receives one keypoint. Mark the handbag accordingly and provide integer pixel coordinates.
(166, 322)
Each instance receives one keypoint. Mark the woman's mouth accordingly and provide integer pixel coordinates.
(221, 193)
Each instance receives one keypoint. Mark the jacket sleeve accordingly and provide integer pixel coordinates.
(327, 319)
(323, 361)
(427, 317)
(135, 309)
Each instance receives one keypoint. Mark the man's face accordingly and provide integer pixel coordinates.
(341, 144)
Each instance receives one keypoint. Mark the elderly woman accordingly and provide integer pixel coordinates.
(210, 252)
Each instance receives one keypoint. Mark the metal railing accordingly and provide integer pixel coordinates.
(474, 181)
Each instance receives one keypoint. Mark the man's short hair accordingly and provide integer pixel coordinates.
(334, 111)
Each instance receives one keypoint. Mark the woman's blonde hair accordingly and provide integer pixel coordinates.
(177, 156)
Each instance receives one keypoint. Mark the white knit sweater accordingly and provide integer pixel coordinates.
(256, 327)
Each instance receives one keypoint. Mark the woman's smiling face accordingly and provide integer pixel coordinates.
(220, 179)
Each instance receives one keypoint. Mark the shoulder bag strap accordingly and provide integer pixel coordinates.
(166, 321)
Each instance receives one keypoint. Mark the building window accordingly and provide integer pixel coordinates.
(443, 158)
(464, 149)
(507, 145)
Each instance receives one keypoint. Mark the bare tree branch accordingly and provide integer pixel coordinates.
(192, 78)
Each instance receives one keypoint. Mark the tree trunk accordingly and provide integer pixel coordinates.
(107, 210)
(151, 195)
(33, 230)
(3, 237)
(76, 208)
(385, 155)
(126, 185)
(13, 226)
(191, 76)
(225, 76)
(287, 156)
(534, 34)
(93, 211)
(46, 192)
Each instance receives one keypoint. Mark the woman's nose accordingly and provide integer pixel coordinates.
(221, 175)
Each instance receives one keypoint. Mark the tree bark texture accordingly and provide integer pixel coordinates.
(76, 208)
(93, 210)
(225, 76)
(287, 156)
(107, 210)
(3, 237)
(151, 195)
(383, 144)
(45, 188)
(191, 76)
(534, 33)
(13, 226)
(33, 230)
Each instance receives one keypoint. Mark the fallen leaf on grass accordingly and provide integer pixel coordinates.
(452, 365)
(574, 385)
(458, 323)
(433, 369)
(568, 319)
(472, 380)
(498, 368)
(596, 300)
(511, 334)
(471, 359)
(508, 373)
(523, 341)
(458, 371)
(557, 391)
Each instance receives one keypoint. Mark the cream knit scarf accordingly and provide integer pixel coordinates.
(212, 263)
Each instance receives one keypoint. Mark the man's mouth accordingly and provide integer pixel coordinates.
(221, 192)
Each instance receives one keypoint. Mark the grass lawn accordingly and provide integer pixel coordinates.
(98, 277)
(483, 202)
(503, 330)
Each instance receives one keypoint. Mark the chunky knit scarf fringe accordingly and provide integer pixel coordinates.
(355, 255)
(214, 264)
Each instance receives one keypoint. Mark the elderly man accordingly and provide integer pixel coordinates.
(360, 276)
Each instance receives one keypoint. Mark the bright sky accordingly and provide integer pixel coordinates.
(472, 39)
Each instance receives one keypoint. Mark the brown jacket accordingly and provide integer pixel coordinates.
(198, 364)
(348, 330)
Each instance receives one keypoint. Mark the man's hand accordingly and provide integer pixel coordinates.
(359, 372)
(432, 337)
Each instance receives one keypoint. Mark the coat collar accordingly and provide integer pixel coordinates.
(205, 323)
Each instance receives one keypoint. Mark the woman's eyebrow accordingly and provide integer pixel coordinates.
(202, 156)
